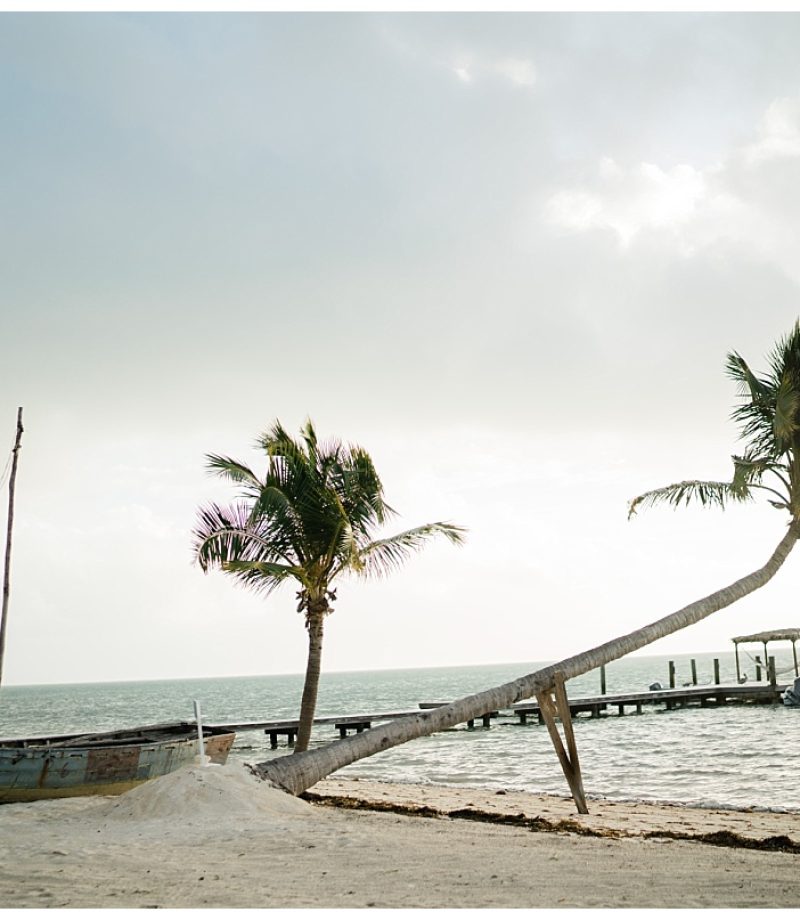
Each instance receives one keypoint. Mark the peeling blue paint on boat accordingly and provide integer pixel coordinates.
(102, 764)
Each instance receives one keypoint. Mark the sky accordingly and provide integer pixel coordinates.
(505, 253)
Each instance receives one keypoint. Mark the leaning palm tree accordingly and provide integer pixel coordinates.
(770, 418)
(310, 520)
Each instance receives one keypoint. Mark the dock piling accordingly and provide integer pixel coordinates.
(672, 675)
(694, 672)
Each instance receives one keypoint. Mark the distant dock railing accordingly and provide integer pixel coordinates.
(595, 706)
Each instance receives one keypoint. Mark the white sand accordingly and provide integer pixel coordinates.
(217, 837)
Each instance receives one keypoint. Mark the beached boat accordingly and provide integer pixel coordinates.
(106, 763)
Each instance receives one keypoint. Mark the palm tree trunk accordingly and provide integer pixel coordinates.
(308, 704)
(300, 771)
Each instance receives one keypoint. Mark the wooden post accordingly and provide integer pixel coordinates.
(569, 757)
(758, 668)
(694, 672)
(602, 680)
(672, 675)
(7, 572)
(738, 673)
(716, 670)
(794, 653)
(771, 672)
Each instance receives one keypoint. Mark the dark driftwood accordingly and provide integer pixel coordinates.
(7, 571)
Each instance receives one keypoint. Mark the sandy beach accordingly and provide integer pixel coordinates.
(217, 837)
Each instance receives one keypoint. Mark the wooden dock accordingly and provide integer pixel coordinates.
(595, 706)
(288, 727)
(675, 698)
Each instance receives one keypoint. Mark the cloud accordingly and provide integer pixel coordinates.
(517, 70)
(744, 203)
(630, 201)
(779, 134)
(471, 67)
(464, 61)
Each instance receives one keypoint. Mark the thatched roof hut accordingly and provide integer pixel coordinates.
(770, 635)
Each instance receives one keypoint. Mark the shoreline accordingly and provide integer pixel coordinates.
(217, 837)
(750, 828)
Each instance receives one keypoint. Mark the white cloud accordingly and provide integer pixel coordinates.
(741, 202)
(779, 134)
(517, 70)
(629, 201)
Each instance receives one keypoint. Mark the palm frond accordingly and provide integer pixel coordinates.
(263, 577)
(231, 469)
(785, 356)
(750, 385)
(222, 534)
(344, 552)
(787, 403)
(273, 505)
(708, 494)
(755, 414)
(381, 557)
(362, 491)
(749, 469)
(749, 472)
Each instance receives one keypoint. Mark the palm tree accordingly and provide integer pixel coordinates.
(311, 519)
(770, 418)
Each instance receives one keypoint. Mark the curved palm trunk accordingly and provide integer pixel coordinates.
(308, 704)
(299, 772)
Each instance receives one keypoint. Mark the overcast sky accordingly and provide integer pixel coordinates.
(507, 254)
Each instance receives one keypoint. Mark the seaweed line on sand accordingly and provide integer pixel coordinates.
(780, 843)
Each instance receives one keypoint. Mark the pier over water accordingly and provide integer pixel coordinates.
(595, 707)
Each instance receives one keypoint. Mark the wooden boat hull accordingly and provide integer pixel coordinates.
(101, 764)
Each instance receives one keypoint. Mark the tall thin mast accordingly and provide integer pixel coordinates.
(7, 573)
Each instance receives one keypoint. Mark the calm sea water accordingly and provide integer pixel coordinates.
(734, 756)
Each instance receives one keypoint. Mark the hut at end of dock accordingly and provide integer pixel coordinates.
(763, 638)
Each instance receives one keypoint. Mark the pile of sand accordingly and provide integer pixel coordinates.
(207, 796)
(206, 837)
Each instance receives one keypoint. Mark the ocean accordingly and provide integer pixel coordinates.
(738, 756)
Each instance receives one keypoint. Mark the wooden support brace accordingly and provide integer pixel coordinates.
(568, 757)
